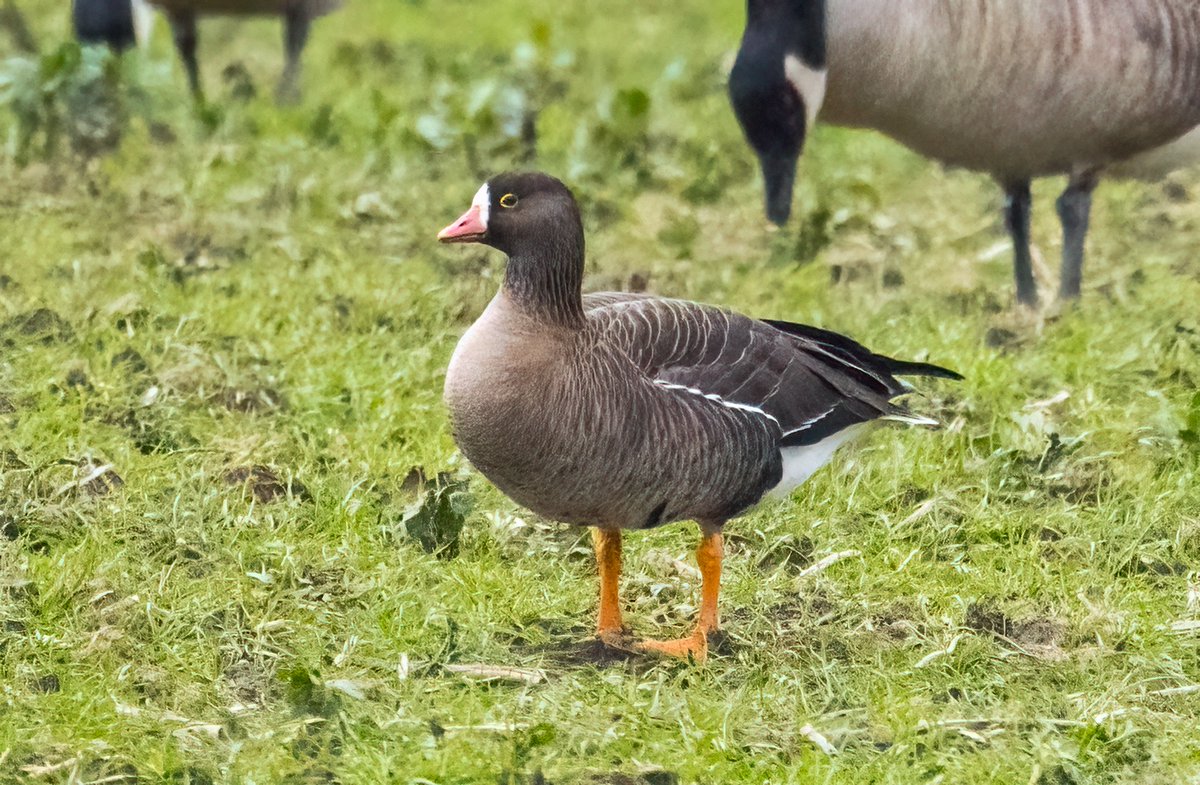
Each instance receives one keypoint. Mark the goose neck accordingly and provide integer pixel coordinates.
(546, 281)
(792, 26)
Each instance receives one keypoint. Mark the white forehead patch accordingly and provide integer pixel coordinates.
(809, 83)
(483, 200)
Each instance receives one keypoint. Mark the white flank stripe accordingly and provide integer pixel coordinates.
(804, 426)
(745, 407)
(911, 419)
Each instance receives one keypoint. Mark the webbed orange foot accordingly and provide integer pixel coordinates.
(694, 647)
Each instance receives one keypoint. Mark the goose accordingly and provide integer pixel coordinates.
(111, 22)
(628, 411)
(120, 23)
(1017, 89)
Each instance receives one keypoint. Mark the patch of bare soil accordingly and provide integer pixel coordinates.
(265, 484)
(1040, 637)
(900, 622)
(247, 682)
(42, 324)
(647, 777)
(574, 646)
(251, 401)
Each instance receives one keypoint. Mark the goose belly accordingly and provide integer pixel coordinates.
(313, 8)
(251, 7)
(989, 145)
(630, 457)
(1155, 163)
(1011, 148)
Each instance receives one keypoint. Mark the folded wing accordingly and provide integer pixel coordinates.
(812, 383)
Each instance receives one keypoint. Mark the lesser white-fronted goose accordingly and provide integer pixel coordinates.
(1012, 88)
(626, 411)
(113, 22)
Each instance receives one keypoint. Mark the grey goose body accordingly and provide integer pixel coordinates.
(571, 426)
(623, 411)
(1017, 89)
(116, 23)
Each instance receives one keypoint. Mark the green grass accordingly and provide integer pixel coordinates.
(1022, 598)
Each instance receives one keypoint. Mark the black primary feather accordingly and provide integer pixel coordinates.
(855, 352)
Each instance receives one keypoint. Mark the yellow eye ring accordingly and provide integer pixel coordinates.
(508, 200)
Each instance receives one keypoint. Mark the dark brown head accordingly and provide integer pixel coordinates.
(515, 212)
(533, 218)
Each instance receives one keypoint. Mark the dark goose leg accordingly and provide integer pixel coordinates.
(1074, 210)
(295, 34)
(183, 30)
(1018, 201)
(708, 558)
(609, 628)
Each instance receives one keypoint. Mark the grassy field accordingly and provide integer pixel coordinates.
(221, 354)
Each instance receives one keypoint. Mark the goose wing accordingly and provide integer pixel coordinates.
(812, 383)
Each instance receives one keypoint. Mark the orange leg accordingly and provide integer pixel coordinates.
(609, 628)
(708, 557)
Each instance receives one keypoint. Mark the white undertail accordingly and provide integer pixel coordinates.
(800, 463)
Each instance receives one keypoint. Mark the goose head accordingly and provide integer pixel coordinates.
(517, 213)
(534, 219)
(776, 88)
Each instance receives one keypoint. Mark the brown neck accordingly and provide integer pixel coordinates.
(545, 278)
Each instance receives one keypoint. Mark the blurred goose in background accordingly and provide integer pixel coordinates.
(626, 411)
(1018, 89)
(120, 23)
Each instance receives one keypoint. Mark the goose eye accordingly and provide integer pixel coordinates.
(508, 200)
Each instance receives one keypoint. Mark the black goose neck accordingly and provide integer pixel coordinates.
(544, 277)
(793, 25)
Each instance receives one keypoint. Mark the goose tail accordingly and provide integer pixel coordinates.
(908, 368)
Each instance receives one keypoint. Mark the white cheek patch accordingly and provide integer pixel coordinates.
(483, 200)
(809, 83)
